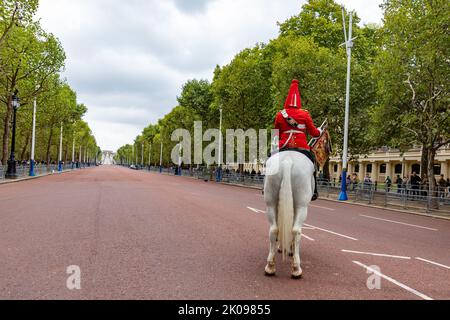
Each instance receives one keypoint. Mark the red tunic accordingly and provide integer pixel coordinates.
(298, 139)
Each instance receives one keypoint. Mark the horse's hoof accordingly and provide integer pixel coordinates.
(297, 277)
(270, 270)
(269, 274)
(297, 273)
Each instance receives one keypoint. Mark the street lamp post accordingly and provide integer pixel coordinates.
(73, 152)
(180, 159)
(33, 139)
(161, 159)
(349, 45)
(142, 155)
(219, 162)
(149, 156)
(80, 158)
(11, 173)
(60, 166)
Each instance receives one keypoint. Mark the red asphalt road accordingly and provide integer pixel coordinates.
(139, 235)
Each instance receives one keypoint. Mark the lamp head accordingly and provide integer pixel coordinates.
(15, 100)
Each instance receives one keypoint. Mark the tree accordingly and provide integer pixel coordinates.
(413, 72)
(30, 57)
(197, 97)
(243, 89)
(321, 20)
(15, 13)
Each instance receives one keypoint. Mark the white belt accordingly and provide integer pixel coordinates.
(291, 133)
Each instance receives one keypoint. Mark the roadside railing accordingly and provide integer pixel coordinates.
(408, 198)
(388, 196)
(42, 169)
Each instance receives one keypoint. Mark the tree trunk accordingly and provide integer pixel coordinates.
(6, 129)
(431, 180)
(49, 144)
(424, 164)
(326, 170)
(25, 147)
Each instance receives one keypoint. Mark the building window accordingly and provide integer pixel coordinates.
(437, 170)
(398, 169)
(383, 169)
(369, 168)
(357, 168)
(415, 168)
(335, 168)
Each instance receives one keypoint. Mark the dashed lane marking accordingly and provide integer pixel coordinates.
(377, 254)
(398, 222)
(332, 232)
(306, 237)
(401, 285)
(256, 210)
(325, 208)
(432, 262)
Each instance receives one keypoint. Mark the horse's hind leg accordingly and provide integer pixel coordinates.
(273, 235)
(300, 217)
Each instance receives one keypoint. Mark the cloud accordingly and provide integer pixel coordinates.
(192, 6)
(128, 60)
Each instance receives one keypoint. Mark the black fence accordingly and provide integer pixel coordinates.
(23, 171)
(409, 198)
(388, 196)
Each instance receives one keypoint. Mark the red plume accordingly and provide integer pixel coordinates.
(293, 99)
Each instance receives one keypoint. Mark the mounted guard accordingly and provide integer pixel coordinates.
(294, 124)
(290, 183)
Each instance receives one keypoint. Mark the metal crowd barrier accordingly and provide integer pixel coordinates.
(403, 198)
(41, 169)
(367, 193)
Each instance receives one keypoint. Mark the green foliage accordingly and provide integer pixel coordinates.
(30, 61)
(413, 76)
(243, 89)
(196, 96)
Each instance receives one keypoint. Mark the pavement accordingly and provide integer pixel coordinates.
(140, 235)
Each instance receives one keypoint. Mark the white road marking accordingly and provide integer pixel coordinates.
(377, 254)
(432, 262)
(325, 208)
(401, 285)
(256, 210)
(332, 232)
(306, 237)
(398, 222)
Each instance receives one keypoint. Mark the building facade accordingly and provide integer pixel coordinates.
(108, 157)
(390, 162)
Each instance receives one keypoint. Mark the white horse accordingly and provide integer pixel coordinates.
(288, 191)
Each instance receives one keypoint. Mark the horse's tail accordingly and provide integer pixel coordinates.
(286, 209)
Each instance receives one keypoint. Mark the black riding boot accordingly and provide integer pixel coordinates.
(316, 192)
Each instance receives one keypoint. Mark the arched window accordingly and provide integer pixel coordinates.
(383, 168)
(398, 168)
(335, 168)
(369, 168)
(357, 168)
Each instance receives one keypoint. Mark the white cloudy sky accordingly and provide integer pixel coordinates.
(128, 60)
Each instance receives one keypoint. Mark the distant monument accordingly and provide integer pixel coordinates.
(108, 158)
